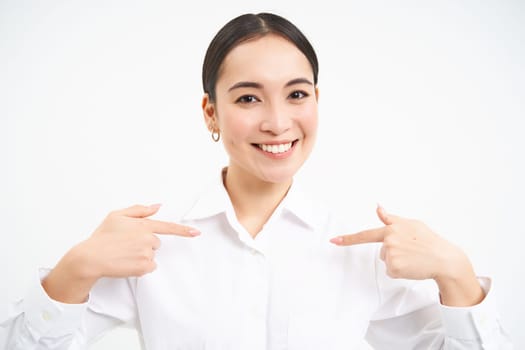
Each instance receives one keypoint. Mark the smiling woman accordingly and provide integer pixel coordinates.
(254, 263)
(277, 107)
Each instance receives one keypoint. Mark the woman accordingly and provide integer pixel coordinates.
(256, 264)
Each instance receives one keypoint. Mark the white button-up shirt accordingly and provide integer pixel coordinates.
(287, 288)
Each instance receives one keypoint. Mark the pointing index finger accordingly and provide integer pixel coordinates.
(367, 236)
(171, 228)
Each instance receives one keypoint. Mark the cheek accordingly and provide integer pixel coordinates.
(234, 126)
(312, 121)
(309, 120)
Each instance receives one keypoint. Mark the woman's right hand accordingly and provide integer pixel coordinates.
(122, 246)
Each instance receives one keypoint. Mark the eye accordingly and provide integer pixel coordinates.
(246, 99)
(298, 94)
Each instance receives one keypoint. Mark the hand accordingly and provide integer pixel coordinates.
(411, 250)
(122, 246)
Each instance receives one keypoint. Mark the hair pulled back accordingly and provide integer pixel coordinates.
(244, 28)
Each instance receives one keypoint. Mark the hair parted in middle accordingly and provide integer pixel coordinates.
(244, 28)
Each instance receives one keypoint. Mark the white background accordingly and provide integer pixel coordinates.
(421, 110)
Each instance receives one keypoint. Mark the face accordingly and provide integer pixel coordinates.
(265, 109)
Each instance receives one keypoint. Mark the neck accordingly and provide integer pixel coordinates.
(253, 199)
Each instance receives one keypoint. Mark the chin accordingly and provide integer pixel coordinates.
(279, 176)
(277, 180)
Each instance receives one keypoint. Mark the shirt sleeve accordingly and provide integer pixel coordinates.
(410, 316)
(477, 324)
(39, 322)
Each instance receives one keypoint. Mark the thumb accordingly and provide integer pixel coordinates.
(387, 219)
(140, 211)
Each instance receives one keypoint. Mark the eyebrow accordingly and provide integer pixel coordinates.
(255, 85)
(245, 84)
(298, 81)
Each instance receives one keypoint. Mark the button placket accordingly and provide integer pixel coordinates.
(256, 289)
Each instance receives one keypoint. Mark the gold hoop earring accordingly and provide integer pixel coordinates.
(216, 135)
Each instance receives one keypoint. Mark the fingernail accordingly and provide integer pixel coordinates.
(155, 206)
(193, 232)
(337, 240)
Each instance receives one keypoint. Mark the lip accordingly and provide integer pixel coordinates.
(275, 142)
(270, 155)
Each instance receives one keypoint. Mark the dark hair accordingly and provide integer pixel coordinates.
(246, 27)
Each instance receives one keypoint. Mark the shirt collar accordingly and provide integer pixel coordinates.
(302, 206)
(212, 200)
(215, 200)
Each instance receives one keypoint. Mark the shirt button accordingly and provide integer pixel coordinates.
(46, 316)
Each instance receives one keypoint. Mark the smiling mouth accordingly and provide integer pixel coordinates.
(276, 149)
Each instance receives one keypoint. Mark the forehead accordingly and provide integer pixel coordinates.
(270, 58)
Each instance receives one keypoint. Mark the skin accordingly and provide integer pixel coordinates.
(264, 95)
(411, 250)
(122, 246)
(263, 98)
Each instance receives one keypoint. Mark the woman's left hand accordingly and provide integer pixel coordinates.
(411, 250)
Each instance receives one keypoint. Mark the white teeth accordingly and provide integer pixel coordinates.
(283, 147)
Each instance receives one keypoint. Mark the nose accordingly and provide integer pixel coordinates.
(276, 120)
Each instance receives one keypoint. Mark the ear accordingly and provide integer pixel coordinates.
(317, 93)
(208, 110)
